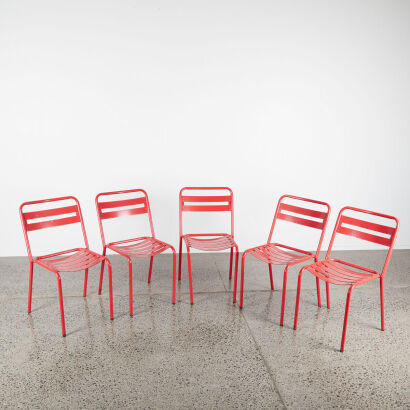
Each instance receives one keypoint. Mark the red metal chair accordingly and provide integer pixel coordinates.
(279, 254)
(77, 259)
(206, 241)
(141, 247)
(339, 272)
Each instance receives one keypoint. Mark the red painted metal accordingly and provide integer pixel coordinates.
(141, 247)
(210, 242)
(279, 254)
(340, 272)
(70, 260)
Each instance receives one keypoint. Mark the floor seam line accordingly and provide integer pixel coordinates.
(220, 276)
(264, 360)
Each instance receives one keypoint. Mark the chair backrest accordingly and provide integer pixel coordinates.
(299, 214)
(50, 217)
(130, 206)
(368, 231)
(206, 203)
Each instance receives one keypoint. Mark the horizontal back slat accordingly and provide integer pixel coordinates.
(203, 198)
(367, 225)
(123, 202)
(364, 235)
(301, 221)
(124, 212)
(303, 211)
(206, 208)
(50, 212)
(55, 222)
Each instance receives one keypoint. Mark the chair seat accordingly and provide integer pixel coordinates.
(272, 253)
(143, 248)
(334, 271)
(80, 260)
(218, 243)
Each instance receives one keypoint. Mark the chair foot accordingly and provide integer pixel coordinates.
(64, 335)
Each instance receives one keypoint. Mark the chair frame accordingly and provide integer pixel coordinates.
(372, 274)
(100, 205)
(25, 217)
(205, 208)
(301, 220)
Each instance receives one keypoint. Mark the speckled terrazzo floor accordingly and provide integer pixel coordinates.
(209, 355)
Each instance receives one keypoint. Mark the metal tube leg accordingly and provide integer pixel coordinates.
(242, 280)
(102, 272)
(180, 258)
(85, 283)
(174, 274)
(110, 289)
(282, 309)
(319, 303)
(295, 322)
(230, 264)
(349, 294)
(30, 287)
(235, 280)
(270, 275)
(327, 295)
(382, 302)
(190, 275)
(150, 269)
(130, 287)
(60, 297)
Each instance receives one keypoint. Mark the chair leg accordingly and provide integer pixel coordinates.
(236, 261)
(327, 295)
(295, 322)
(174, 274)
(270, 276)
(110, 289)
(180, 258)
(150, 269)
(282, 309)
(349, 294)
(319, 303)
(102, 271)
(235, 278)
(85, 282)
(190, 275)
(242, 280)
(130, 287)
(230, 264)
(60, 297)
(30, 287)
(382, 302)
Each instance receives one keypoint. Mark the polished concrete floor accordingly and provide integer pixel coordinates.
(209, 355)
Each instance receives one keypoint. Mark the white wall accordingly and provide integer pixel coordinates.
(268, 97)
